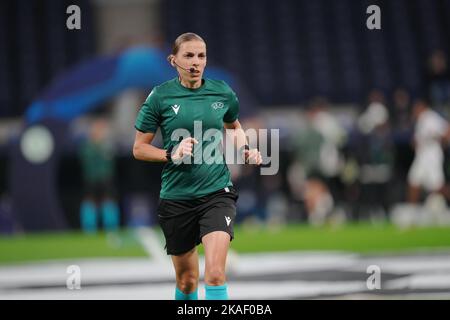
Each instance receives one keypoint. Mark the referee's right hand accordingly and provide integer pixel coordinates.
(184, 149)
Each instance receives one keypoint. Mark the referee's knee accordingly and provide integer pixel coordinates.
(215, 277)
(187, 282)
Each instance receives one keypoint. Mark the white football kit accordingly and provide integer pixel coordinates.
(427, 169)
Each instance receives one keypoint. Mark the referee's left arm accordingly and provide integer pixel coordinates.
(238, 133)
(252, 156)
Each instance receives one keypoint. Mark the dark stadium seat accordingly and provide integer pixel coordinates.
(37, 47)
(304, 48)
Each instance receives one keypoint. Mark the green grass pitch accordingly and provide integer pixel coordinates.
(359, 238)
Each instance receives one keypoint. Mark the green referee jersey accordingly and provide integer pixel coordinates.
(172, 106)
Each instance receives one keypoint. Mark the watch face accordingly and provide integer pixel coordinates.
(37, 144)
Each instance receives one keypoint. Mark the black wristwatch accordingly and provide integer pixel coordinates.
(241, 151)
(169, 154)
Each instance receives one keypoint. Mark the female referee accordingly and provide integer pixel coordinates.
(197, 201)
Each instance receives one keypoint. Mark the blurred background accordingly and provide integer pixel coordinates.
(345, 98)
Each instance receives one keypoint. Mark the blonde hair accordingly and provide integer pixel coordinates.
(185, 37)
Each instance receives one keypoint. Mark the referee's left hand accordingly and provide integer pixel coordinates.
(253, 156)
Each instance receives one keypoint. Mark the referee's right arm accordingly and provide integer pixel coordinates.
(143, 150)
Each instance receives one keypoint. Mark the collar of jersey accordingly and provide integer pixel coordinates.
(177, 80)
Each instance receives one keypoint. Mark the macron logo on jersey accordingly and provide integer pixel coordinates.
(228, 220)
(175, 108)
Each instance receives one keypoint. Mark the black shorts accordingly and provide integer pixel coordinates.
(185, 222)
(99, 190)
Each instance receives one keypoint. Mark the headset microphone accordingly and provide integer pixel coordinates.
(191, 69)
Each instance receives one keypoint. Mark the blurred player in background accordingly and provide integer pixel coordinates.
(98, 165)
(427, 169)
(197, 201)
(438, 78)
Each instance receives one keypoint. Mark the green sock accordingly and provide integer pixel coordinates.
(216, 292)
(180, 295)
(88, 217)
